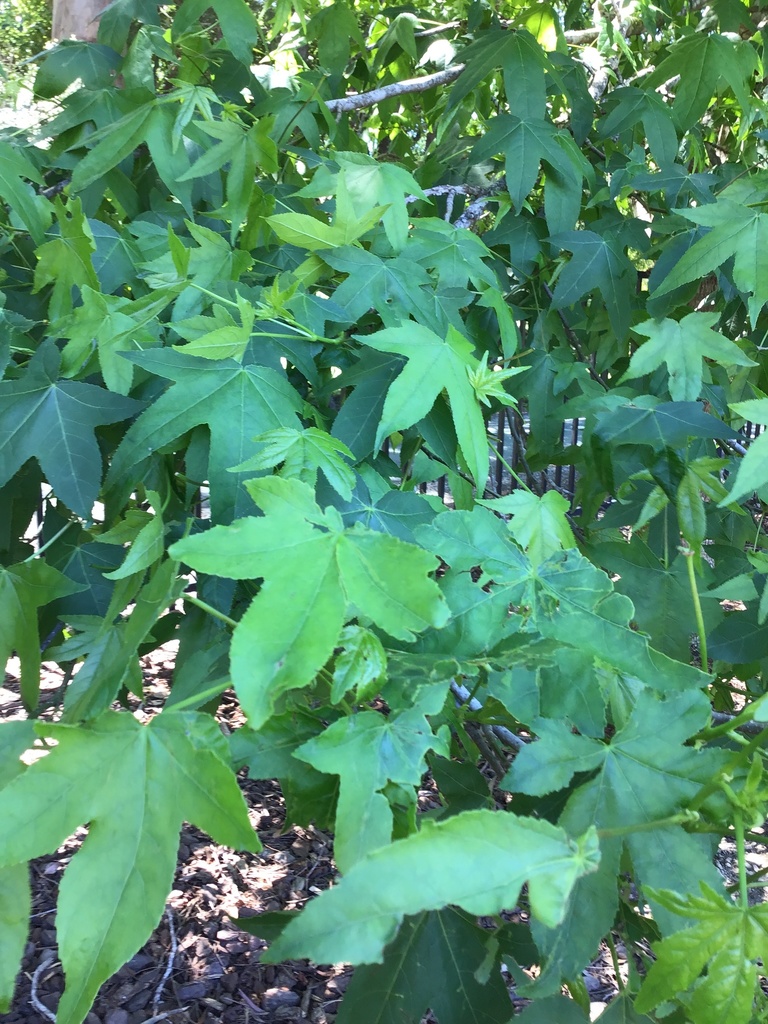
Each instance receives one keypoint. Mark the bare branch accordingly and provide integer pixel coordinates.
(507, 737)
(480, 194)
(367, 99)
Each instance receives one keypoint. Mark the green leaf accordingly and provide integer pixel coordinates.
(433, 365)
(392, 287)
(368, 750)
(753, 468)
(370, 184)
(644, 775)
(428, 871)
(134, 785)
(15, 166)
(15, 894)
(303, 453)
(566, 598)
(334, 28)
(539, 524)
(53, 421)
(432, 964)
(325, 577)
(112, 660)
(523, 63)
(525, 143)
(395, 512)
(738, 232)
(703, 61)
(740, 638)
(575, 603)
(691, 515)
(723, 940)
(659, 424)
(113, 143)
(598, 262)
(236, 21)
(554, 1008)
(622, 1010)
(247, 153)
(457, 255)
(65, 261)
(116, 325)
(309, 795)
(661, 594)
(307, 232)
(463, 787)
(360, 666)
(683, 346)
(235, 402)
(219, 336)
(563, 684)
(23, 589)
(15, 908)
(634, 106)
(72, 59)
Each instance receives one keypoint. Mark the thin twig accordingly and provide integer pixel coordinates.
(33, 997)
(169, 964)
(514, 429)
(164, 1015)
(251, 1005)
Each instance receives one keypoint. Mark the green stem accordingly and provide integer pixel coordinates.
(698, 612)
(738, 824)
(48, 543)
(686, 817)
(204, 606)
(615, 958)
(745, 716)
(740, 757)
(309, 335)
(521, 483)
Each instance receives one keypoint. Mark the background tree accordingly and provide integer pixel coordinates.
(257, 301)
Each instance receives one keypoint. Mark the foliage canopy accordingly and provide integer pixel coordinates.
(268, 277)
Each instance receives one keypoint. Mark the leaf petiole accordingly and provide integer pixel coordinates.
(738, 825)
(686, 817)
(49, 543)
(697, 610)
(204, 606)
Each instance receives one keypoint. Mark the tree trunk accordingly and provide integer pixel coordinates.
(77, 19)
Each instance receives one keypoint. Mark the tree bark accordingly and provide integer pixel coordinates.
(77, 19)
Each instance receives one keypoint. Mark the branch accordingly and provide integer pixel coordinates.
(367, 99)
(508, 738)
(747, 728)
(480, 194)
(740, 449)
(475, 210)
